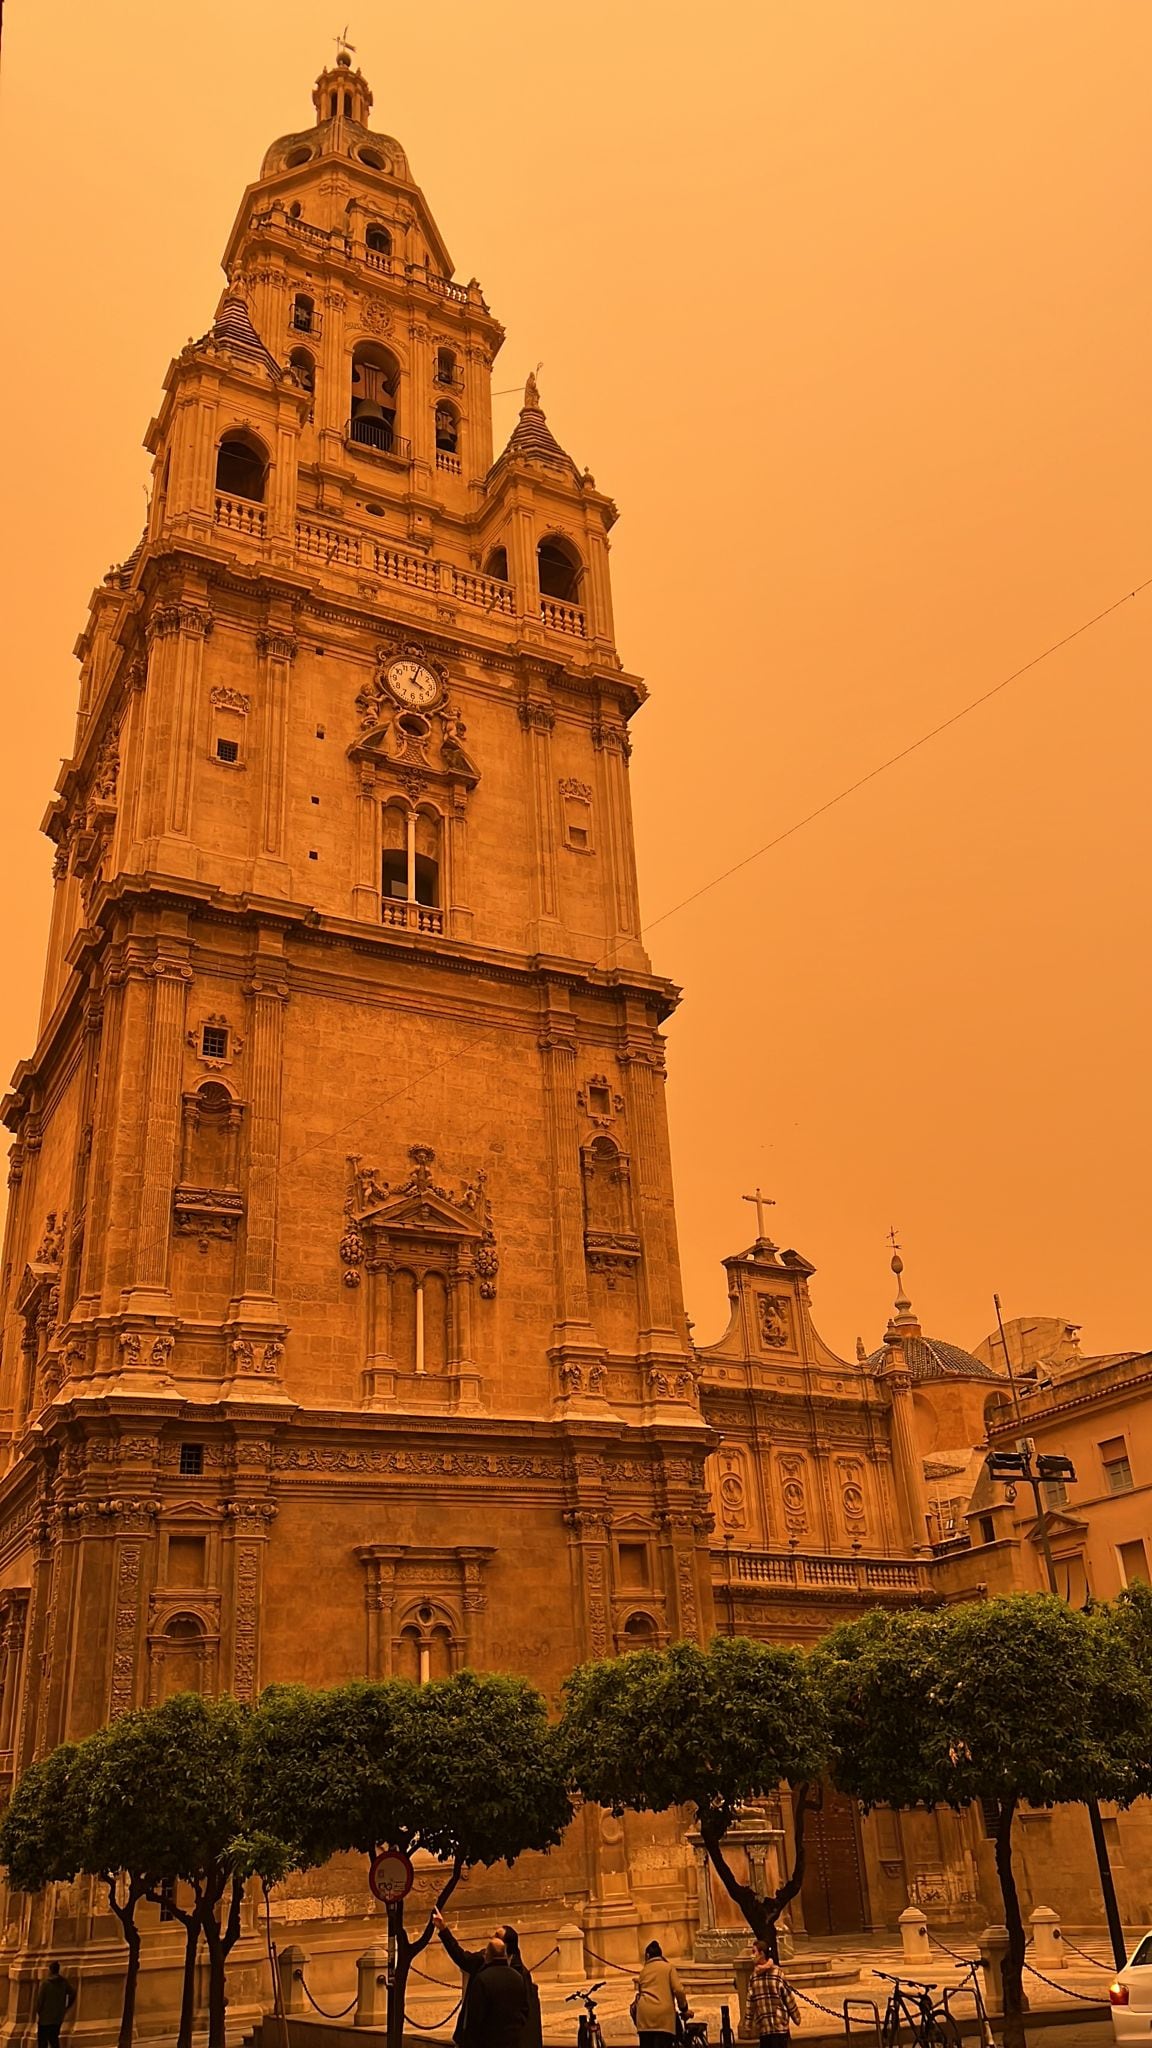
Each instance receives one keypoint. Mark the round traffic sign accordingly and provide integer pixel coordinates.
(390, 1876)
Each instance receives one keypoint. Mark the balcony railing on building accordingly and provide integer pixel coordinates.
(240, 515)
(365, 430)
(810, 1569)
(448, 461)
(563, 618)
(411, 917)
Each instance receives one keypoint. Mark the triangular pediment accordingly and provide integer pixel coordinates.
(1057, 1527)
(422, 1212)
(35, 1278)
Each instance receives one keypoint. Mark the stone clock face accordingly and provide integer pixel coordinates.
(413, 684)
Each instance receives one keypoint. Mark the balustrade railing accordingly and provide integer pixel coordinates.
(240, 515)
(412, 917)
(351, 550)
(378, 259)
(859, 1574)
(562, 618)
(447, 461)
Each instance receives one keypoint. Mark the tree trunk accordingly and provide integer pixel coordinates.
(188, 1987)
(126, 1915)
(1014, 2036)
(762, 1915)
(406, 1950)
(220, 1942)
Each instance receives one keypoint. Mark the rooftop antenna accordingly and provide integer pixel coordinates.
(1008, 1364)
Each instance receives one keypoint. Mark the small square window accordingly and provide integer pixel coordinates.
(577, 835)
(1117, 1467)
(227, 750)
(319, 732)
(987, 1529)
(214, 1042)
(599, 1100)
(315, 799)
(313, 855)
(191, 1461)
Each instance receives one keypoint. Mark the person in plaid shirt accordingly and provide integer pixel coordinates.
(772, 2003)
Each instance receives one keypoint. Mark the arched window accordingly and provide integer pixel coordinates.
(182, 1647)
(301, 362)
(378, 240)
(375, 383)
(304, 313)
(424, 1650)
(333, 103)
(639, 1632)
(607, 1203)
(558, 569)
(446, 366)
(347, 106)
(241, 467)
(497, 563)
(447, 430)
(410, 854)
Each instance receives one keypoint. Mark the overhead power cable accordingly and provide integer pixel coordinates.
(913, 746)
(435, 1066)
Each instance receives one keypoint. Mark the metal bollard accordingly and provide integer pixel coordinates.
(727, 2037)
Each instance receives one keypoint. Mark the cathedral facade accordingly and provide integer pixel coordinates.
(342, 1321)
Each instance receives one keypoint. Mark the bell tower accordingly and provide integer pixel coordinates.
(342, 1220)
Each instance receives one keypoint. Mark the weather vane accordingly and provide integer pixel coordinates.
(342, 42)
(893, 1240)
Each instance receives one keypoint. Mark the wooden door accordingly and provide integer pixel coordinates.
(832, 1895)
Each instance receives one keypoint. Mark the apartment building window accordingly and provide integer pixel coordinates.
(1134, 1561)
(1117, 1469)
(1054, 1493)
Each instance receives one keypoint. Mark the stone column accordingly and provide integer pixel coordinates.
(366, 887)
(416, 418)
(134, 1525)
(906, 1452)
(257, 1311)
(273, 872)
(147, 1292)
(557, 1044)
(465, 1376)
(612, 749)
(477, 384)
(644, 1069)
(588, 1541)
(14, 1626)
(172, 757)
(380, 1372)
(538, 720)
(460, 918)
(247, 1531)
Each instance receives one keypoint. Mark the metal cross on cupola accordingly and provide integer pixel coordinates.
(762, 1202)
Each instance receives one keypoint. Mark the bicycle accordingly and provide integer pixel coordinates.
(929, 2025)
(588, 2033)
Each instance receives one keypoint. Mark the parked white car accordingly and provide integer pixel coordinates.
(1131, 1995)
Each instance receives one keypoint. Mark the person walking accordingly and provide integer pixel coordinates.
(470, 1961)
(53, 1999)
(497, 2005)
(772, 2006)
(658, 1994)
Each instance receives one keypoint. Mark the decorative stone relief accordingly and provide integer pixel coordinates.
(792, 1473)
(850, 1474)
(774, 1321)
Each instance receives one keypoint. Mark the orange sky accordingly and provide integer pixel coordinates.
(849, 304)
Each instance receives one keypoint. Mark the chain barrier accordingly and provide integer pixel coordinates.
(815, 2003)
(1109, 1969)
(969, 1962)
(435, 2026)
(343, 2012)
(1086, 1997)
(622, 1967)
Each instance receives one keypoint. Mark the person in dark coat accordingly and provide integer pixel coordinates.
(497, 2004)
(471, 1961)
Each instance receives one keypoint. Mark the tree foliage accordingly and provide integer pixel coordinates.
(1006, 1700)
(707, 1728)
(466, 1769)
